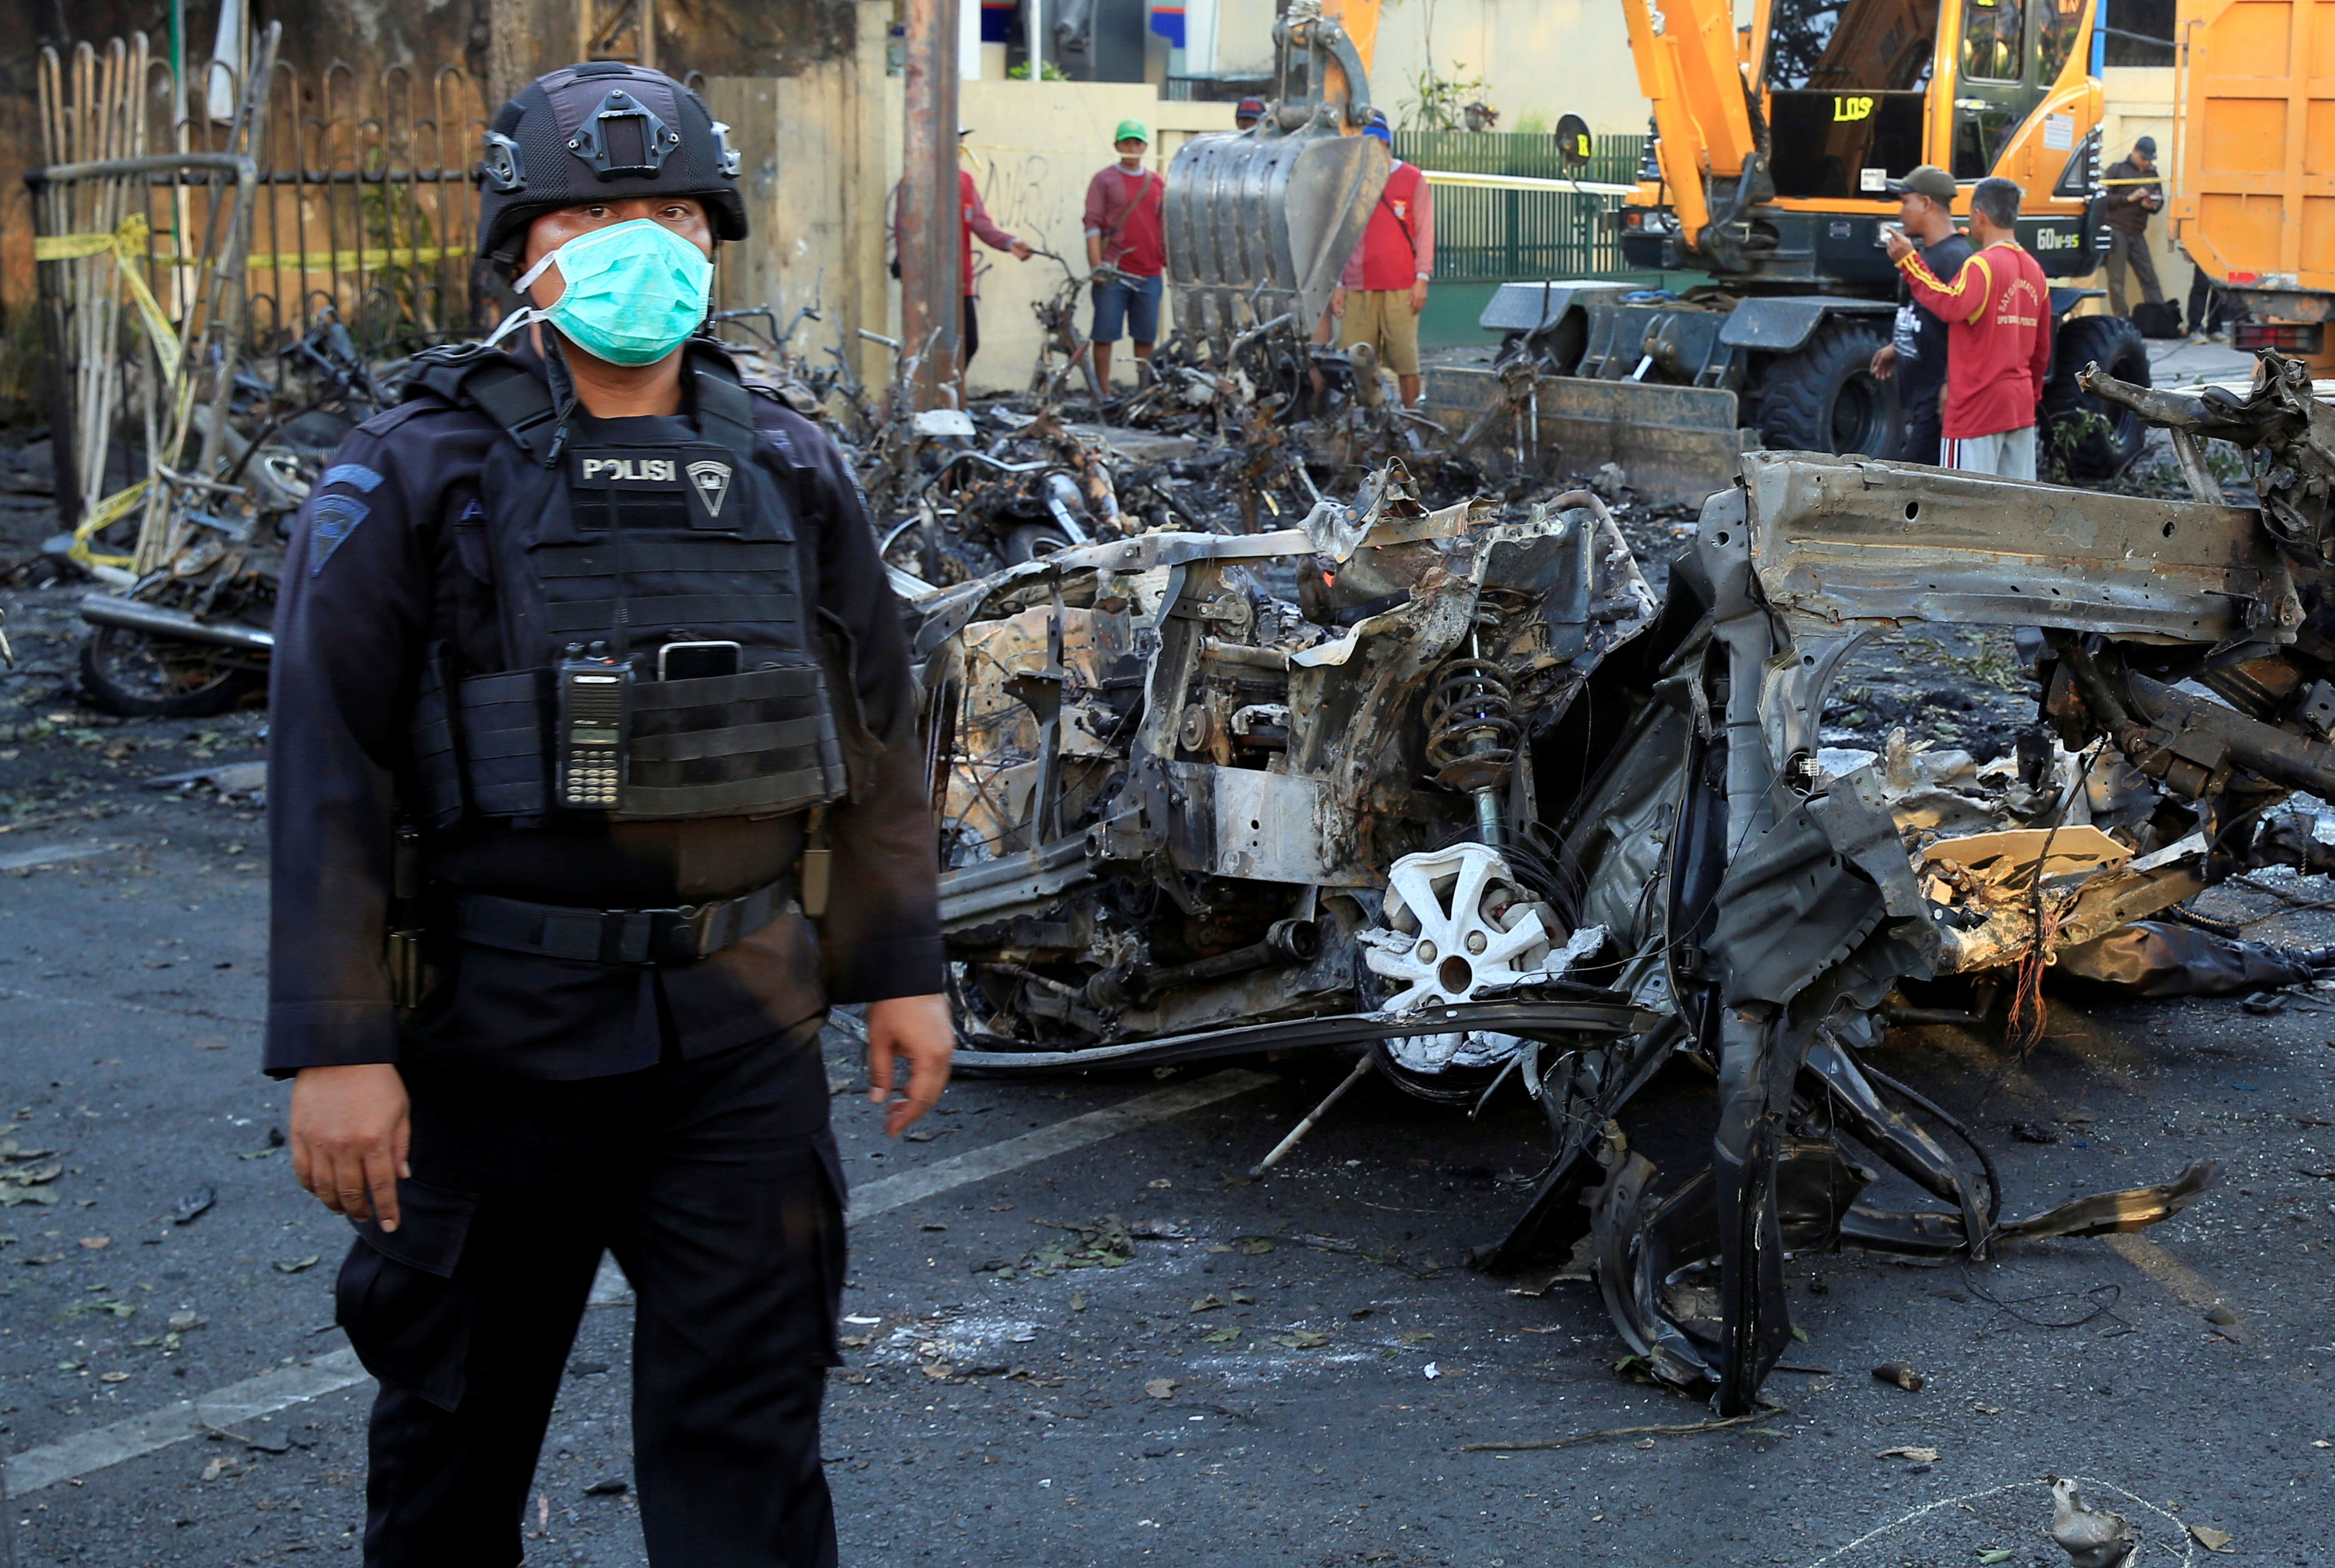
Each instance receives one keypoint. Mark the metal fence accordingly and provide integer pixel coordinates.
(1498, 235)
(366, 206)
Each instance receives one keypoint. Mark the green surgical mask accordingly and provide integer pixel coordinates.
(635, 291)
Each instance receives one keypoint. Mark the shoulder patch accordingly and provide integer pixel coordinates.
(353, 474)
(330, 520)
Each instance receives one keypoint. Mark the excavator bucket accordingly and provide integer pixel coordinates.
(1260, 224)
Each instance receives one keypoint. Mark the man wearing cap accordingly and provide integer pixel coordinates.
(1247, 113)
(1915, 354)
(591, 687)
(1384, 285)
(2132, 193)
(1998, 315)
(1127, 249)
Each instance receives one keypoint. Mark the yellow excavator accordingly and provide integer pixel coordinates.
(1763, 192)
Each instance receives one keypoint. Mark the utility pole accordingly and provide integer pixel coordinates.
(931, 293)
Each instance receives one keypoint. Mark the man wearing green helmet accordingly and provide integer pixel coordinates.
(588, 686)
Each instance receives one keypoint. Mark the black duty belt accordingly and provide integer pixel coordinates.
(683, 934)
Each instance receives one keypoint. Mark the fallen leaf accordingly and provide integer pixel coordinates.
(1079, 1301)
(1207, 1303)
(1162, 1182)
(1416, 1337)
(614, 1487)
(1998, 1555)
(113, 1376)
(1224, 1336)
(1160, 1388)
(938, 1370)
(193, 1206)
(2211, 1539)
(297, 1265)
(1255, 1247)
(1916, 1455)
(97, 1244)
(224, 1464)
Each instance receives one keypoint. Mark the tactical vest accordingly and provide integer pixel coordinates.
(614, 551)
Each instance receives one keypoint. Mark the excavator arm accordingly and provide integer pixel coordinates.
(1260, 224)
(1688, 68)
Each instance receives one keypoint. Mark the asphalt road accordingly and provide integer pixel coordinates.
(1282, 1371)
(1092, 1341)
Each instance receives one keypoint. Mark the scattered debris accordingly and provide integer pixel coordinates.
(2092, 1537)
(1159, 1388)
(194, 1206)
(1901, 1374)
(1717, 1425)
(1913, 1455)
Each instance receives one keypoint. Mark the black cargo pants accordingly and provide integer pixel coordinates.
(715, 1183)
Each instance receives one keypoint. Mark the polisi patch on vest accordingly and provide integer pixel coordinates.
(605, 467)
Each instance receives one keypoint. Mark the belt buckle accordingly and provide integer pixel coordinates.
(678, 935)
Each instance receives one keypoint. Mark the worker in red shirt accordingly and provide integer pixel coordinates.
(972, 217)
(1997, 316)
(1384, 286)
(1126, 247)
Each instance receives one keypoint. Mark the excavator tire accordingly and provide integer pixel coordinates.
(1825, 397)
(2083, 437)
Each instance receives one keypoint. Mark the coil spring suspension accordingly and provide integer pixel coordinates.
(1471, 736)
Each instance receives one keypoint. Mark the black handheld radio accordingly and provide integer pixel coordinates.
(595, 718)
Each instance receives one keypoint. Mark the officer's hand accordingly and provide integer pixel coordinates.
(1885, 361)
(350, 1130)
(916, 1029)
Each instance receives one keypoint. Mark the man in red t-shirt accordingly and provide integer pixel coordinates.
(1127, 246)
(972, 219)
(1384, 285)
(1997, 316)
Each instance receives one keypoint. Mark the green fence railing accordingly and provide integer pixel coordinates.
(1498, 235)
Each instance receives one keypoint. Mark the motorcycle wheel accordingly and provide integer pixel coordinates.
(141, 677)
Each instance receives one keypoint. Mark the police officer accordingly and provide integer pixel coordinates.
(590, 686)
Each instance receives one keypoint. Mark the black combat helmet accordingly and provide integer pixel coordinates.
(601, 132)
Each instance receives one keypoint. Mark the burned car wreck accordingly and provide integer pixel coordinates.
(1459, 796)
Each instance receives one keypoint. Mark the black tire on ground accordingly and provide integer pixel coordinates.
(1030, 540)
(1827, 399)
(2098, 442)
(141, 677)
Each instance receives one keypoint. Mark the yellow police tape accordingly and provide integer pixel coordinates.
(103, 516)
(128, 243)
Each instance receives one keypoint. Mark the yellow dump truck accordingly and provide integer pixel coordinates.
(2253, 164)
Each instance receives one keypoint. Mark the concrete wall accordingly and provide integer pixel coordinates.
(1034, 147)
(815, 143)
(1538, 59)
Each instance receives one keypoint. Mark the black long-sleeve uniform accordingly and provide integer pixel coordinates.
(355, 613)
(674, 1116)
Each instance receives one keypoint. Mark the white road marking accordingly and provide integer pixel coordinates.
(882, 1196)
(272, 1391)
(230, 1406)
(26, 859)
